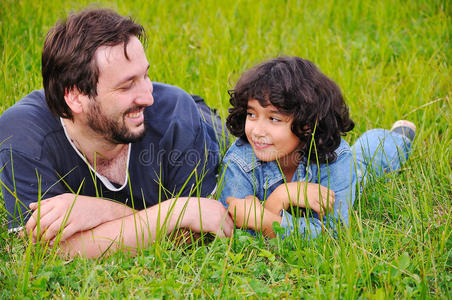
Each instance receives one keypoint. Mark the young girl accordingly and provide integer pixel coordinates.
(289, 119)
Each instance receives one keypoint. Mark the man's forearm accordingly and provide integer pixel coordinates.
(128, 233)
(112, 210)
(141, 228)
(67, 214)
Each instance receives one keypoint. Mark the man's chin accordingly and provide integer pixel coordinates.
(129, 137)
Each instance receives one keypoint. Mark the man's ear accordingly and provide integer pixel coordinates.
(74, 99)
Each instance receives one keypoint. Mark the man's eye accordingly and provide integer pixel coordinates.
(128, 86)
(275, 120)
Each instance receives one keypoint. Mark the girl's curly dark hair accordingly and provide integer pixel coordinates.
(297, 87)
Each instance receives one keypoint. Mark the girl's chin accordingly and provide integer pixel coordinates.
(265, 156)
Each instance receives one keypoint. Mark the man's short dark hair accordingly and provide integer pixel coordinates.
(68, 56)
(296, 87)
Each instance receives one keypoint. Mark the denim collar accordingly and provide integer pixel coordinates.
(248, 161)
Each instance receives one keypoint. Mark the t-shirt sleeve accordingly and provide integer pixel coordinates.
(25, 180)
(189, 144)
(192, 170)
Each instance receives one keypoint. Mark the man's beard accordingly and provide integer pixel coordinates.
(112, 130)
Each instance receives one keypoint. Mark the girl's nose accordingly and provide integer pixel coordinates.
(259, 131)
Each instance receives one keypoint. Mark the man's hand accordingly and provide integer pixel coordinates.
(206, 215)
(69, 214)
(319, 198)
(248, 213)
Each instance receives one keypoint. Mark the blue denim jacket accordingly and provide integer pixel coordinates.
(245, 175)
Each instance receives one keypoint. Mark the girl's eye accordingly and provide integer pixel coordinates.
(275, 120)
(250, 115)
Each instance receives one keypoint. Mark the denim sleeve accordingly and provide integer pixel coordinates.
(309, 227)
(340, 177)
(235, 182)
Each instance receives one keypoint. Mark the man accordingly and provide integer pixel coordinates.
(103, 136)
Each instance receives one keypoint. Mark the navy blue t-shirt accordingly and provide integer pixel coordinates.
(37, 159)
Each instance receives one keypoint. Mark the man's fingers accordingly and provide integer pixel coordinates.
(51, 232)
(229, 221)
(42, 203)
(228, 225)
(31, 223)
(41, 226)
(68, 231)
(48, 227)
(220, 233)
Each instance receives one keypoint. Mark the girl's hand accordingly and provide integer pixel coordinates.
(248, 213)
(319, 198)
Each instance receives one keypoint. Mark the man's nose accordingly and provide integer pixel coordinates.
(145, 98)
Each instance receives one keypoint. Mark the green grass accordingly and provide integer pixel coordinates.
(392, 61)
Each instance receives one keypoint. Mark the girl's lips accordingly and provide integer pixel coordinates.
(260, 145)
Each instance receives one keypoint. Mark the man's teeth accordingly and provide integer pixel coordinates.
(134, 115)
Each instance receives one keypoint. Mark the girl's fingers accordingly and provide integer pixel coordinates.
(229, 199)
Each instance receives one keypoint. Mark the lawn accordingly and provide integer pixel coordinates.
(391, 60)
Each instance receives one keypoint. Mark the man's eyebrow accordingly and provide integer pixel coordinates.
(132, 77)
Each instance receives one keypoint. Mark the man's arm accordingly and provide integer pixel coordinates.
(66, 214)
(141, 228)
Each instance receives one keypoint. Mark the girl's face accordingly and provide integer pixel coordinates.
(269, 133)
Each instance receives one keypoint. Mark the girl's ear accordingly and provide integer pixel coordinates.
(75, 100)
(306, 131)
